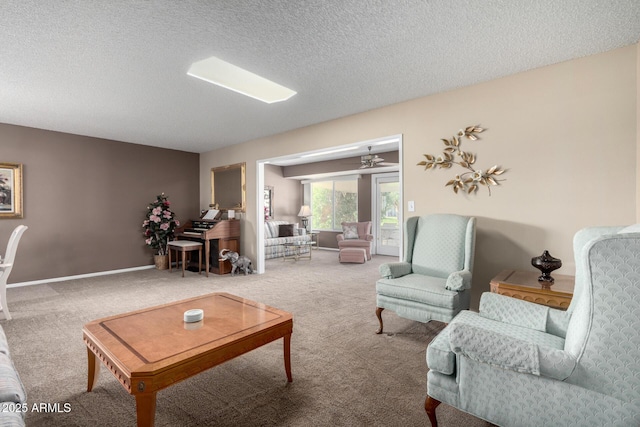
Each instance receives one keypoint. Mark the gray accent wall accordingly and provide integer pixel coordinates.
(85, 200)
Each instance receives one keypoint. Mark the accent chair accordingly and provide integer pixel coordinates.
(516, 363)
(6, 265)
(356, 235)
(434, 280)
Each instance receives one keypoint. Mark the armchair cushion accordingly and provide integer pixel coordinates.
(419, 288)
(272, 228)
(285, 230)
(363, 229)
(514, 311)
(355, 243)
(350, 232)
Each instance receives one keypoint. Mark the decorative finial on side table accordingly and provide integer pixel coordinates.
(546, 264)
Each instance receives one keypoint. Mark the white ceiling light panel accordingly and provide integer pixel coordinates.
(229, 76)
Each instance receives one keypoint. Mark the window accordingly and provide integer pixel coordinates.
(332, 202)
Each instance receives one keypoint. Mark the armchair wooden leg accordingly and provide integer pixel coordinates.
(430, 405)
(379, 314)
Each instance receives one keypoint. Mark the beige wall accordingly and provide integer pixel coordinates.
(85, 200)
(566, 134)
(287, 194)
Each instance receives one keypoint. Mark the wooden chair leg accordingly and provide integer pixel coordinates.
(430, 405)
(379, 315)
(184, 256)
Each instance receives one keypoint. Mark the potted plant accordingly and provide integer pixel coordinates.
(159, 228)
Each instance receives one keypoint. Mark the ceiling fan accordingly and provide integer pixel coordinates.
(373, 160)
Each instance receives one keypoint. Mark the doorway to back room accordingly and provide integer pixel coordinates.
(386, 213)
(364, 159)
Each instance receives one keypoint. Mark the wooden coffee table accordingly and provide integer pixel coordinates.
(150, 349)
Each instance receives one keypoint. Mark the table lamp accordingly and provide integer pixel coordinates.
(304, 214)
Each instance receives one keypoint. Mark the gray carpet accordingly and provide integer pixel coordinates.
(343, 373)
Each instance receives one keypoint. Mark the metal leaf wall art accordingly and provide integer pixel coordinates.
(467, 182)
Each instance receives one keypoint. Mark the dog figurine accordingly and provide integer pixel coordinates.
(238, 262)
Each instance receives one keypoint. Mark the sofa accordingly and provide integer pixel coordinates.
(276, 233)
(13, 397)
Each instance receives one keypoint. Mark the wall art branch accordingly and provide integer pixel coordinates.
(467, 182)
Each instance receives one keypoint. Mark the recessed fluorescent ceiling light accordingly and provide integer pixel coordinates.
(229, 76)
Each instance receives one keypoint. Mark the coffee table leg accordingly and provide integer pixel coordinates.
(146, 409)
(287, 356)
(93, 368)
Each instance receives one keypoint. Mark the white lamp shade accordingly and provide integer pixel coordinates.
(305, 211)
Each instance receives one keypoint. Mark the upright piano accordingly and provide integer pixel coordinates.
(215, 235)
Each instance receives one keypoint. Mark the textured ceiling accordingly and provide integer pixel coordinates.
(117, 69)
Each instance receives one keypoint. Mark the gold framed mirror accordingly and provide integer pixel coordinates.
(228, 187)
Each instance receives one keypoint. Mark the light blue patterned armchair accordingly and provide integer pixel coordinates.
(516, 363)
(434, 280)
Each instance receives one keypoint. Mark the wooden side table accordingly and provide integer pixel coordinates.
(315, 237)
(524, 285)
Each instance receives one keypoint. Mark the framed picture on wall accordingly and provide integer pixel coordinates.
(10, 190)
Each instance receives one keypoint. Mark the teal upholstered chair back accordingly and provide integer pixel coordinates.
(438, 244)
(576, 330)
(580, 240)
(604, 330)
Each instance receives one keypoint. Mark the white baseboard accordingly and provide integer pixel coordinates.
(100, 273)
(79, 276)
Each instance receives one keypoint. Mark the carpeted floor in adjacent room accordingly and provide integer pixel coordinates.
(343, 373)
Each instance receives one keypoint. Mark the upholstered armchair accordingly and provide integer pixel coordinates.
(356, 235)
(433, 282)
(516, 363)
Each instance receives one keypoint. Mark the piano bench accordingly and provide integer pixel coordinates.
(185, 246)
